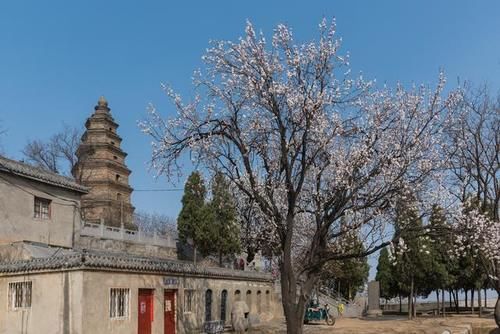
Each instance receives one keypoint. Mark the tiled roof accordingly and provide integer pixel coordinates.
(39, 174)
(82, 259)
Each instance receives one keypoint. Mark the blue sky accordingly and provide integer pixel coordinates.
(58, 57)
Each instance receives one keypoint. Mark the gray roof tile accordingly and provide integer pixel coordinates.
(39, 174)
(83, 259)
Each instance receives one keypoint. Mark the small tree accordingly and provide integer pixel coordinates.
(226, 228)
(194, 221)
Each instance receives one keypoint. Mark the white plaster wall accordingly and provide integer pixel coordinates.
(97, 285)
(17, 220)
(47, 314)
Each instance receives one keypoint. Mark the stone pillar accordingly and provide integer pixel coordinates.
(374, 299)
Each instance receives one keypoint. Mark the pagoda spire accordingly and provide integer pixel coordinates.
(101, 167)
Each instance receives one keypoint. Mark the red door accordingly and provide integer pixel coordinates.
(145, 310)
(169, 309)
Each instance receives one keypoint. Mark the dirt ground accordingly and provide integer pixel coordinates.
(393, 325)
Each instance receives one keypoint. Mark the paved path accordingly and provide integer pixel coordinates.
(393, 325)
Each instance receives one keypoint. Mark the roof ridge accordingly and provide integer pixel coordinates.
(84, 259)
(40, 174)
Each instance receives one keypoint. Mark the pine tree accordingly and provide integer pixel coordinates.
(384, 275)
(413, 255)
(223, 212)
(195, 218)
(442, 264)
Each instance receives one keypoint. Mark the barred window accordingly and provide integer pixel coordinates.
(20, 295)
(188, 300)
(119, 303)
(42, 208)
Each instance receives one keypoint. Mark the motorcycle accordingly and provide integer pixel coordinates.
(316, 313)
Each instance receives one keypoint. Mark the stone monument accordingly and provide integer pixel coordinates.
(374, 299)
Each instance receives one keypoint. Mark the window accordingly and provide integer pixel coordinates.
(223, 305)
(20, 295)
(237, 295)
(259, 302)
(119, 303)
(268, 301)
(115, 157)
(117, 178)
(42, 208)
(118, 197)
(188, 300)
(208, 305)
(249, 299)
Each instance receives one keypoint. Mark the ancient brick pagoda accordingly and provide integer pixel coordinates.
(101, 167)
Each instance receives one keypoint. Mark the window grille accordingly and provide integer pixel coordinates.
(119, 303)
(42, 208)
(20, 295)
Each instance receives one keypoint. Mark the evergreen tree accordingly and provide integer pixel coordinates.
(194, 221)
(442, 264)
(388, 288)
(223, 212)
(347, 277)
(413, 253)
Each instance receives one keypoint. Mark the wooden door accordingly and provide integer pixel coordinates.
(145, 311)
(169, 312)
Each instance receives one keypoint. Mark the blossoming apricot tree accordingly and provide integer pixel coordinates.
(321, 153)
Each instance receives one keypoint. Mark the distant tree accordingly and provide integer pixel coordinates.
(3, 131)
(154, 222)
(194, 221)
(57, 154)
(347, 276)
(225, 226)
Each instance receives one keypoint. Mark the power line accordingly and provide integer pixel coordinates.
(158, 190)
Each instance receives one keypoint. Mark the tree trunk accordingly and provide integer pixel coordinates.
(409, 308)
(479, 302)
(444, 305)
(414, 306)
(294, 304)
(194, 254)
(485, 298)
(400, 304)
(220, 258)
(437, 301)
(410, 300)
(466, 298)
(449, 297)
(455, 299)
(472, 301)
(497, 311)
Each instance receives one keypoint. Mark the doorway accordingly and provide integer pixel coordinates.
(145, 311)
(169, 311)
